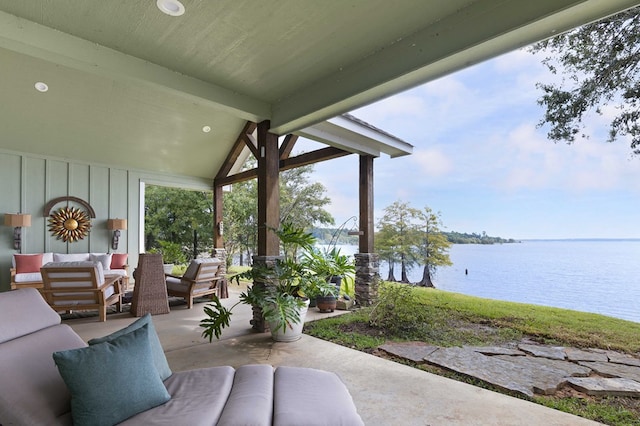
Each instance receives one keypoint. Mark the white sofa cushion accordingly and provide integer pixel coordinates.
(295, 395)
(251, 398)
(70, 257)
(197, 399)
(28, 277)
(104, 258)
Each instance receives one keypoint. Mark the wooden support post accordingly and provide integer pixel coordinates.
(268, 191)
(366, 204)
(218, 225)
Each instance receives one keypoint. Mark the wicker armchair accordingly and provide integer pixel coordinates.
(200, 279)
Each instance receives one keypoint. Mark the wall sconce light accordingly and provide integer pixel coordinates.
(116, 225)
(18, 221)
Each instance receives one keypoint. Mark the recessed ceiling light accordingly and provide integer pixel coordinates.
(41, 87)
(170, 7)
(206, 129)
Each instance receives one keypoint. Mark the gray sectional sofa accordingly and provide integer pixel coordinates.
(52, 377)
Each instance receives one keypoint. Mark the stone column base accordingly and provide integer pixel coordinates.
(367, 278)
(223, 291)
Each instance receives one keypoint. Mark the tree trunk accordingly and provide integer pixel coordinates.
(405, 278)
(426, 278)
(195, 244)
(390, 276)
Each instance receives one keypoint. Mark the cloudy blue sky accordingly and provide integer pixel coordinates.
(481, 161)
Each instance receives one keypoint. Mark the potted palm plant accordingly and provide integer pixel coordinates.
(281, 290)
(329, 264)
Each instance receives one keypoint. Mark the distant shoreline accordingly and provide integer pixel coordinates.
(579, 239)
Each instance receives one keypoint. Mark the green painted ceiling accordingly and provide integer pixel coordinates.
(132, 87)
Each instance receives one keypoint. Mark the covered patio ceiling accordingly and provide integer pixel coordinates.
(132, 87)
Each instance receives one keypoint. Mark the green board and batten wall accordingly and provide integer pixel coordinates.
(30, 181)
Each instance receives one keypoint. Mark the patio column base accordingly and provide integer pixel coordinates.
(257, 322)
(223, 291)
(367, 278)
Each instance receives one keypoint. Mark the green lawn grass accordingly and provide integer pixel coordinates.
(450, 319)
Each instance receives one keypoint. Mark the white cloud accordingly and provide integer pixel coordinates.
(432, 162)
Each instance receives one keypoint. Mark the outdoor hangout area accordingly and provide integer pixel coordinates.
(104, 102)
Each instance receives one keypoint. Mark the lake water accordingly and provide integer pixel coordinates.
(600, 276)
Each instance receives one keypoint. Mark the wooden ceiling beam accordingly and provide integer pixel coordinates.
(236, 150)
(312, 157)
(287, 146)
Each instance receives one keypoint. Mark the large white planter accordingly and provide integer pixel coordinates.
(290, 334)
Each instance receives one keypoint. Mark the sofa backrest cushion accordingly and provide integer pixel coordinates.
(70, 257)
(118, 260)
(27, 263)
(23, 312)
(192, 270)
(31, 389)
(208, 269)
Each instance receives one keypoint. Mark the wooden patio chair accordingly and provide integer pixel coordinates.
(200, 279)
(80, 286)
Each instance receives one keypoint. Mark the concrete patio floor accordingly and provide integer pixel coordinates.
(385, 392)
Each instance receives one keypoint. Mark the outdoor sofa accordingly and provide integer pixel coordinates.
(50, 376)
(25, 268)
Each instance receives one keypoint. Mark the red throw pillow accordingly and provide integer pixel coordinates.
(28, 263)
(118, 260)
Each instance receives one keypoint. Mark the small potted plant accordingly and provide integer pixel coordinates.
(323, 292)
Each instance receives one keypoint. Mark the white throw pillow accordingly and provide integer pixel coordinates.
(103, 258)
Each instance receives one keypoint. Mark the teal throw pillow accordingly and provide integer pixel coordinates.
(111, 381)
(159, 359)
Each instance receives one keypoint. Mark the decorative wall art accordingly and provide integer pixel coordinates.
(69, 224)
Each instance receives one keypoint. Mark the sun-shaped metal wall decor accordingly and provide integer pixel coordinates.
(69, 224)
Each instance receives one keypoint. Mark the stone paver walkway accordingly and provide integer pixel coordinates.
(531, 369)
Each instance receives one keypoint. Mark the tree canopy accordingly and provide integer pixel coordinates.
(598, 63)
(178, 216)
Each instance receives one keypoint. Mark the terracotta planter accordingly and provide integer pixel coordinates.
(326, 303)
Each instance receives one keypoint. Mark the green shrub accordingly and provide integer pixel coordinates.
(397, 310)
(171, 252)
